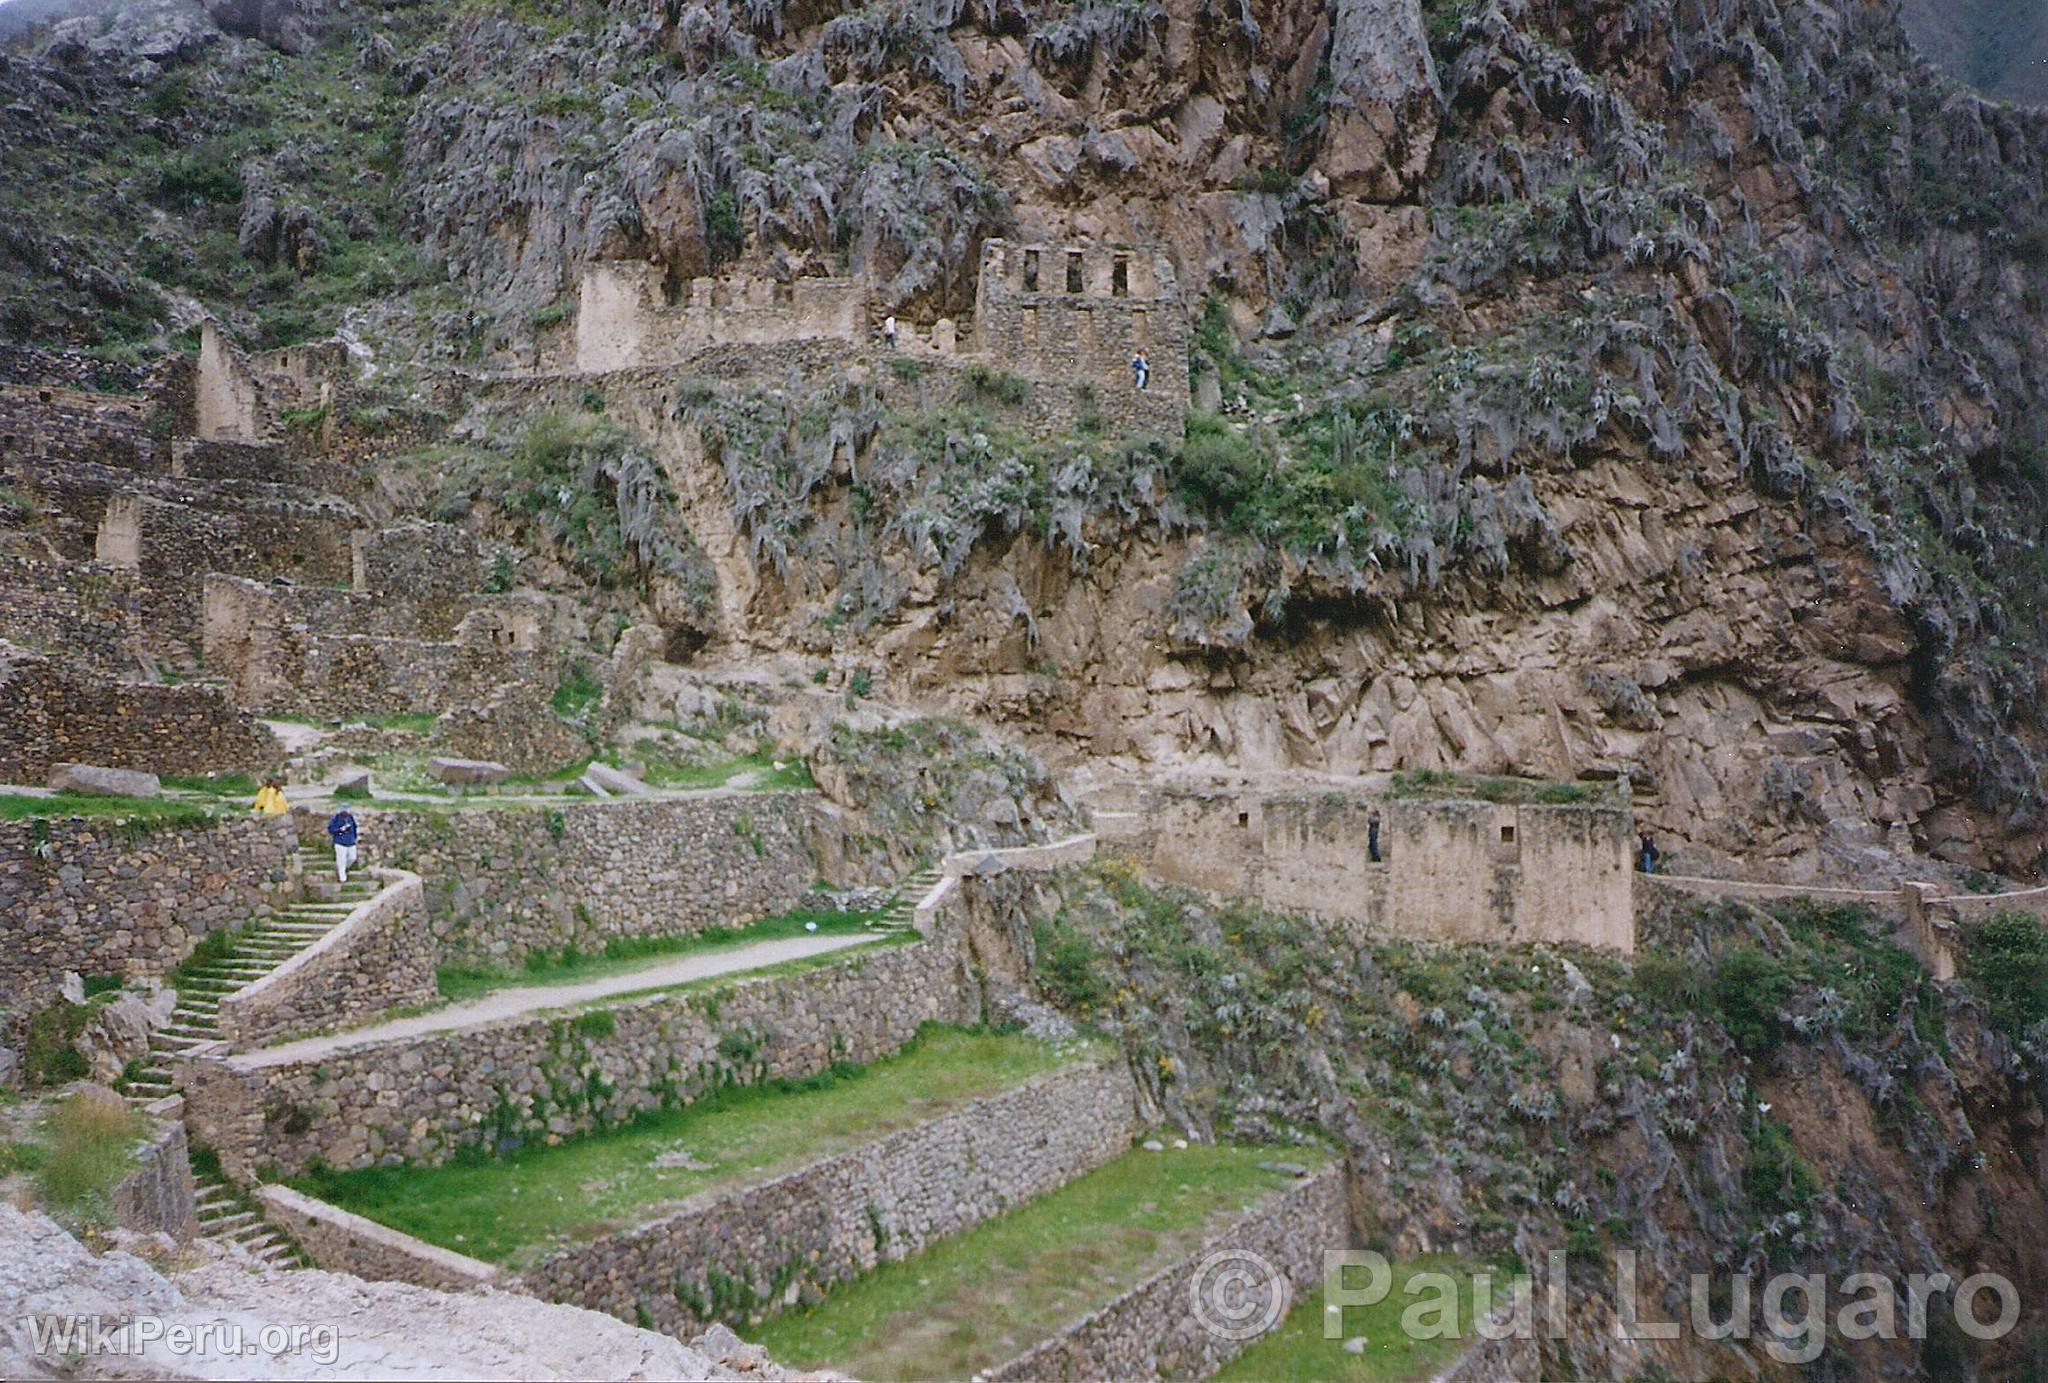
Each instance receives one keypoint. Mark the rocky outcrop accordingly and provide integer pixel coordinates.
(290, 26)
(354, 1328)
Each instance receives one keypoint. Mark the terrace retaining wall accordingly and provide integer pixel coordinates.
(841, 1216)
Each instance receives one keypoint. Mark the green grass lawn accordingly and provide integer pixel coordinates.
(624, 955)
(762, 773)
(15, 806)
(1297, 1352)
(515, 1209)
(987, 1295)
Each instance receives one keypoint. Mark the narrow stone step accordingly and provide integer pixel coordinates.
(226, 1226)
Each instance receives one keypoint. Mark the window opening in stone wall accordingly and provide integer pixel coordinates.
(1244, 818)
(1507, 835)
(1073, 271)
(1120, 277)
(1031, 271)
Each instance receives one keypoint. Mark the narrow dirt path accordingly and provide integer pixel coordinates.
(524, 999)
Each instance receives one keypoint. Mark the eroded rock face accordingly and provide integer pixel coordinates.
(378, 1329)
(291, 26)
(1383, 107)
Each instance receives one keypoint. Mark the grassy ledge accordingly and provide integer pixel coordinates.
(1302, 1351)
(20, 806)
(517, 1208)
(987, 1295)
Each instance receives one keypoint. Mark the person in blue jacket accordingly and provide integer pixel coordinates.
(342, 830)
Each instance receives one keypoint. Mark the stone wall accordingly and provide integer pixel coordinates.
(268, 462)
(1074, 314)
(1452, 871)
(516, 727)
(377, 959)
(419, 560)
(56, 714)
(1152, 1331)
(88, 612)
(159, 1196)
(55, 424)
(341, 1242)
(92, 897)
(299, 650)
(428, 1098)
(172, 531)
(504, 884)
(842, 1216)
(69, 370)
(623, 318)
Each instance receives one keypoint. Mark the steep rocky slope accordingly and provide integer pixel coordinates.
(1628, 386)
(1759, 1093)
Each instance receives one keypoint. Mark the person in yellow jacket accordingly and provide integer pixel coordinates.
(270, 801)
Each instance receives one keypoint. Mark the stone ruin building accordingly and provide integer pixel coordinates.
(1065, 317)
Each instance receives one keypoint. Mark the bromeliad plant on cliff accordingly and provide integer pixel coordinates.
(1759, 1090)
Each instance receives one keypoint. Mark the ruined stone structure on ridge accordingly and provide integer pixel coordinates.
(1074, 315)
(1067, 318)
(624, 317)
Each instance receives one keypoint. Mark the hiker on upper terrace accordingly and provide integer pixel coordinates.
(1372, 835)
(889, 331)
(1141, 370)
(270, 800)
(1648, 854)
(342, 830)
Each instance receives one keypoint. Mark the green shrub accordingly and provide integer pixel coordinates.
(2006, 963)
(1750, 987)
(91, 1145)
(999, 385)
(724, 235)
(553, 315)
(1219, 466)
(1070, 966)
(599, 1022)
(50, 1055)
(577, 692)
(1779, 1180)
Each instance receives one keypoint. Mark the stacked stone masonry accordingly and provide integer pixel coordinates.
(625, 318)
(95, 898)
(1074, 315)
(59, 714)
(842, 1216)
(419, 561)
(427, 1099)
(55, 424)
(502, 885)
(378, 959)
(1153, 1330)
(1450, 871)
(88, 612)
(344, 1243)
(27, 365)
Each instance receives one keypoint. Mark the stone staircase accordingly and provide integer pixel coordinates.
(910, 891)
(226, 1215)
(251, 955)
(223, 1213)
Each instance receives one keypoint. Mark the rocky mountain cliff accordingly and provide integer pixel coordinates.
(1613, 386)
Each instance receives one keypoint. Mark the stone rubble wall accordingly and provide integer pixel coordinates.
(415, 561)
(502, 885)
(159, 1196)
(623, 319)
(56, 425)
(89, 612)
(842, 1216)
(517, 727)
(173, 531)
(426, 1099)
(377, 959)
(1152, 1330)
(1028, 320)
(89, 896)
(341, 1242)
(55, 714)
(1450, 871)
(28, 365)
(198, 458)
